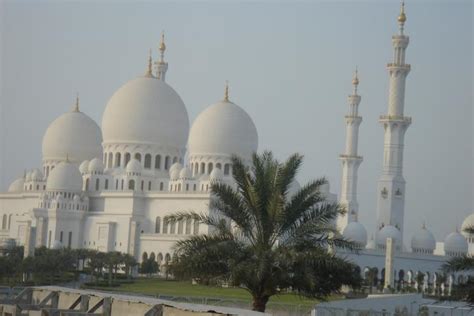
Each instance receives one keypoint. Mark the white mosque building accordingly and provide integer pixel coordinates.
(112, 188)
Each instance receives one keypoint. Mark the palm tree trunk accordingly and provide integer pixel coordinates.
(260, 303)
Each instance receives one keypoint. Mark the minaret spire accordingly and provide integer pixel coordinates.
(391, 185)
(76, 105)
(350, 159)
(149, 71)
(161, 65)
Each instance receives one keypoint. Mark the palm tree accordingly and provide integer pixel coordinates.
(263, 239)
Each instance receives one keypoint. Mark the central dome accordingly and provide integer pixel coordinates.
(146, 110)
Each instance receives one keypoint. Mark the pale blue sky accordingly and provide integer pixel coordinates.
(289, 65)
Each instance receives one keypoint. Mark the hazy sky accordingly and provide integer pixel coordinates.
(289, 65)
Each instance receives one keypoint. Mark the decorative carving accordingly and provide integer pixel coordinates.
(398, 193)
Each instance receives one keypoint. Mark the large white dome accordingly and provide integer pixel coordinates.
(224, 128)
(146, 110)
(74, 135)
(65, 177)
(455, 244)
(423, 241)
(356, 232)
(17, 185)
(389, 231)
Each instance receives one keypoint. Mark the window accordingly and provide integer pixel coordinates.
(97, 183)
(157, 225)
(49, 239)
(209, 168)
(106, 186)
(138, 157)
(149, 185)
(157, 162)
(187, 186)
(180, 227)
(203, 168)
(219, 166)
(196, 168)
(121, 185)
(173, 227)
(47, 171)
(188, 226)
(116, 184)
(9, 221)
(196, 227)
(109, 164)
(147, 161)
(167, 162)
(141, 187)
(117, 159)
(161, 186)
(127, 158)
(4, 221)
(131, 184)
(61, 237)
(226, 169)
(87, 184)
(165, 226)
(194, 187)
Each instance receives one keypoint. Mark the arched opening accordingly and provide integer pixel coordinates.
(165, 225)
(173, 227)
(87, 184)
(97, 183)
(196, 227)
(127, 158)
(157, 162)
(131, 184)
(109, 163)
(157, 225)
(142, 185)
(219, 166)
(9, 221)
(188, 226)
(106, 186)
(138, 157)
(180, 227)
(196, 168)
(203, 168)
(121, 185)
(147, 161)
(117, 159)
(149, 185)
(209, 168)
(226, 169)
(167, 162)
(161, 186)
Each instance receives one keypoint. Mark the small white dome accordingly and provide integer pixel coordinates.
(468, 222)
(36, 175)
(28, 176)
(216, 175)
(146, 110)
(455, 244)
(133, 166)
(389, 231)
(423, 240)
(96, 165)
(73, 135)
(65, 177)
(185, 173)
(57, 245)
(176, 166)
(356, 232)
(17, 185)
(84, 167)
(223, 128)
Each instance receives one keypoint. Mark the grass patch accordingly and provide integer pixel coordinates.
(186, 289)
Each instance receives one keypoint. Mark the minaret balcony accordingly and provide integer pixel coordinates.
(395, 118)
(401, 67)
(350, 157)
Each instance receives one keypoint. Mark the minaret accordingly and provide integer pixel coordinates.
(76, 105)
(161, 65)
(350, 160)
(149, 70)
(391, 186)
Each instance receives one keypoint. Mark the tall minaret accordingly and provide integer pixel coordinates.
(350, 160)
(161, 65)
(391, 186)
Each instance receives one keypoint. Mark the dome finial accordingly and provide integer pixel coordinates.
(149, 71)
(76, 105)
(162, 43)
(355, 80)
(226, 92)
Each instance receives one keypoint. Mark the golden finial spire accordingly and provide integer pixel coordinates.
(149, 71)
(76, 105)
(355, 80)
(402, 17)
(226, 92)
(162, 42)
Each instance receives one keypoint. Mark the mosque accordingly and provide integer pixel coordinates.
(111, 188)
